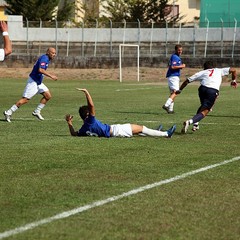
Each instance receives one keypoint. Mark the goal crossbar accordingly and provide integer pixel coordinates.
(120, 59)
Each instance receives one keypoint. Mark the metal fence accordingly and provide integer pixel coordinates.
(102, 39)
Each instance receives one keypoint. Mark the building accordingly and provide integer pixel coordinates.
(2, 10)
(224, 13)
(189, 9)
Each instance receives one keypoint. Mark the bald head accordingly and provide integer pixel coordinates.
(51, 52)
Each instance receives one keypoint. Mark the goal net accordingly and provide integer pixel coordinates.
(128, 62)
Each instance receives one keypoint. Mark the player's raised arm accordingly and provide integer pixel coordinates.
(89, 101)
(6, 39)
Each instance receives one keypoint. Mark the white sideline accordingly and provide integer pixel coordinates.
(110, 199)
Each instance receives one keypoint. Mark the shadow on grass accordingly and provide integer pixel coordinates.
(224, 116)
(146, 113)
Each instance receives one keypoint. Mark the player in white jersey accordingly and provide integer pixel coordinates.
(7, 49)
(210, 81)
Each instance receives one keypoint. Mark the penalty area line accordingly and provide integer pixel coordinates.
(110, 199)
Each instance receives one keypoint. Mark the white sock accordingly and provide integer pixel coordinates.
(168, 102)
(171, 106)
(13, 109)
(190, 121)
(39, 107)
(153, 133)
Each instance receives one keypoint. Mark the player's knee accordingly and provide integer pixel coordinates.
(22, 101)
(47, 96)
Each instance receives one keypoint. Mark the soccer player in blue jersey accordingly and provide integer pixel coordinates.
(173, 75)
(93, 127)
(210, 81)
(35, 85)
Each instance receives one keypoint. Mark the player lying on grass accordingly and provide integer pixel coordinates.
(210, 79)
(93, 127)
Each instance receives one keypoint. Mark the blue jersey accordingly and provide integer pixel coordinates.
(42, 62)
(93, 127)
(175, 60)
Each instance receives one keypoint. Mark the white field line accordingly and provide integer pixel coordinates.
(114, 120)
(110, 199)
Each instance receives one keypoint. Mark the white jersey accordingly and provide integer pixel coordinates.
(211, 78)
(2, 55)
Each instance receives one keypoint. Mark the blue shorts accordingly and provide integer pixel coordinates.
(207, 96)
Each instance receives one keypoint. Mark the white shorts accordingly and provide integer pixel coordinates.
(173, 83)
(121, 130)
(2, 54)
(32, 88)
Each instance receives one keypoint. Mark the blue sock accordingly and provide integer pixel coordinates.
(198, 117)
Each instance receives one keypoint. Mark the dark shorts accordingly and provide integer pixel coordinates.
(207, 97)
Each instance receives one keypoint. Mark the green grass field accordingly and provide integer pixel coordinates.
(45, 172)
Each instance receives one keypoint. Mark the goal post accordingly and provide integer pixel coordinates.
(121, 53)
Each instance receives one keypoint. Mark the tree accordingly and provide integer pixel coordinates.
(116, 10)
(34, 10)
(142, 10)
(65, 11)
(91, 9)
(156, 10)
(137, 11)
(159, 12)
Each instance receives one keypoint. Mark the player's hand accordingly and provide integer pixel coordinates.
(178, 92)
(234, 83)
(68, 117)
(81, 89)
(3, 26)
(54, 78)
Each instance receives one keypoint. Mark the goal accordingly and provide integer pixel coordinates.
(132, 71)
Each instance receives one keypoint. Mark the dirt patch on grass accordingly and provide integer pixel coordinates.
(146, 74)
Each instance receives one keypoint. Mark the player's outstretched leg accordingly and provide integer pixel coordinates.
(38, 115)
(7, 116)
(185, 126)
(171, 131)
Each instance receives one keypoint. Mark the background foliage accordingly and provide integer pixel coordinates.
(119, 10)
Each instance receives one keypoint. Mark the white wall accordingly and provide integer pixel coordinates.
(18, 33)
